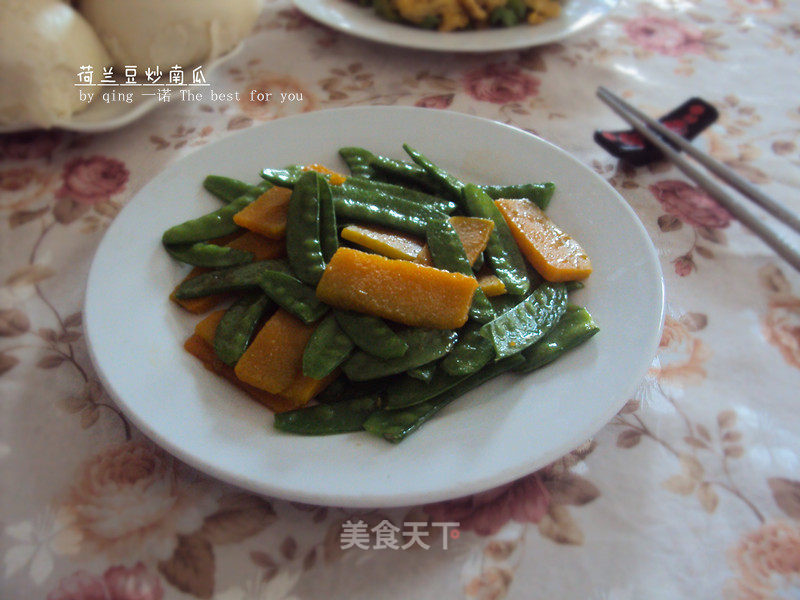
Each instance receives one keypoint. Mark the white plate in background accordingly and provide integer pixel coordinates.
(347, 16)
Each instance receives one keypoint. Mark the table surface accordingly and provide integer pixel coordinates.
(691, 491)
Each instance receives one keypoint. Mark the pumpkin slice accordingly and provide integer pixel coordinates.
(550, 250)
(490, 283)
(334, 178)
(207, 328)
(274, 359)
(473, 233)
(397, 290)
(199, 348)
(304, 388)
(267, 214)
(263, 248)
(384, 241)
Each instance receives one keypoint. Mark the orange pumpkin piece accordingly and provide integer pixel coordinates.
(551, 251)
(274, 359)
(263, 248)
(207, 327)
(266, 215)
(334, 177)
(490, 283)
(384, 241)
(473, 233)
(304, 388)
(199, 348)
(397, 290)
(197, 305)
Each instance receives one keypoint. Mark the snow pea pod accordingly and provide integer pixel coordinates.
(303, 246)
(361, 188)
(502, 251)
(208, 255)
(292, 295)
(538, 193)
(396, 425)
(395, 213)
(327, 348)
(228, 189)
(326, 419)
(451, 186)
(371, 334)
(471, 353)
(232, 279)
(344, 389)
(574, 328)
(283, 177)
(215, 224)
(328, 232)
(410, 391)
(405, 172)
(526, 323)
(424, 346)
(424, 373)
(448, 253)
(357, 160)
(377, 190)
(238, 324)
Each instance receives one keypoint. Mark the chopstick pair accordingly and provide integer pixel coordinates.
(656, 133)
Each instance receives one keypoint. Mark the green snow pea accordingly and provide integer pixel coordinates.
(538, 193)
(292, 295)
(471, 353)
(451, 186)
(424, 373)
(357, 160)
(502, 251)
(395, 212)
(328, 233)
(283, 177)
(303, 246)
(214, 224)
(405, 172)
(201, 254)
(371, 334)
(228, 189)
(232, 279)
(526, 323)
(574, 328)
(378, 190)
(326, 419)
(448, 253)
(344, 389)
(327, 348)
(424, 346)
(396, 425)
(238, 324)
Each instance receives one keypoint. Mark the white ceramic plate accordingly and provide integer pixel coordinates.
(102, 116)
(501, 431)
(348, 17)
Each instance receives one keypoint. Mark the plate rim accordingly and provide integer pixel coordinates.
(394, 498)
(458, 42)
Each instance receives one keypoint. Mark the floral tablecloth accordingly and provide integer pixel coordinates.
(691, 491)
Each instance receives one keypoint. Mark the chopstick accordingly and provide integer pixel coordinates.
(648, 128)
